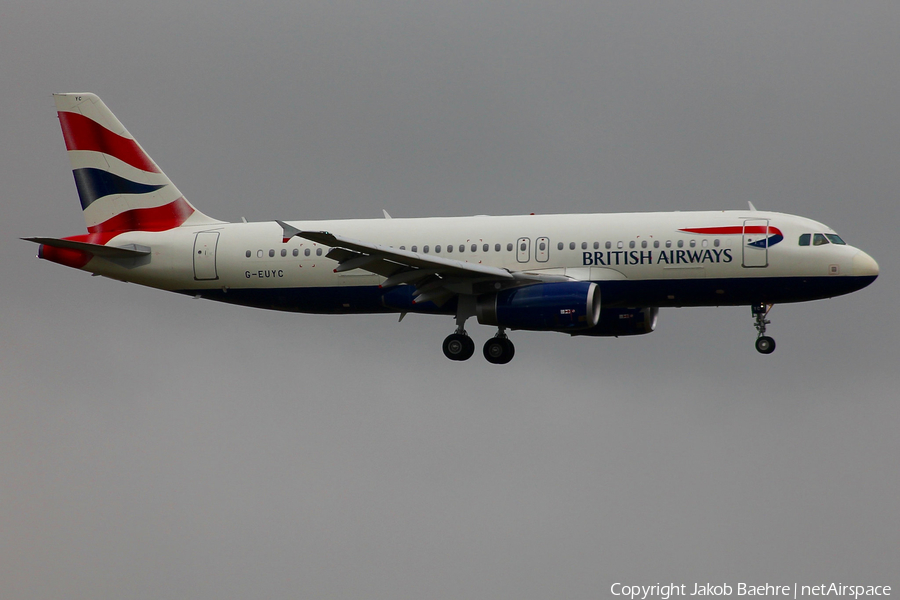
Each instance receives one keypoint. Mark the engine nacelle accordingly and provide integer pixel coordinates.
(564, 306)
(624, 321)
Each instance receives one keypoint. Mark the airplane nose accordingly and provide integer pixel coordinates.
(864, 265)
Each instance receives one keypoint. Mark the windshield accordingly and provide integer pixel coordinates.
(835, 239)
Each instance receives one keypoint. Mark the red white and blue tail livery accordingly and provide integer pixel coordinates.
(588, 274)
(120, 187)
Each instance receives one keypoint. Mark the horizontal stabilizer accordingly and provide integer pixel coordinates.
(129, 251)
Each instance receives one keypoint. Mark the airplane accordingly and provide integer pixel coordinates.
(580, 274)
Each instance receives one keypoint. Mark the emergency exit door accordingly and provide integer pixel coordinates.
(523, 249)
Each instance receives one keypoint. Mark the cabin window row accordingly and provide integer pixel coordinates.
(284, 252)
(449, 249)
(426, 249)
(704, 243)
(644, 244)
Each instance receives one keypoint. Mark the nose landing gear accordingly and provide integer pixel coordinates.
(764, 344)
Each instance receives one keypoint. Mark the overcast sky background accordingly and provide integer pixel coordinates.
(155, 446)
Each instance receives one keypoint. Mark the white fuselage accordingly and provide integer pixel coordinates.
(651, 253)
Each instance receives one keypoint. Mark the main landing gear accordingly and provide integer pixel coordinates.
(459, 346)
(764, 344)
(499, 350)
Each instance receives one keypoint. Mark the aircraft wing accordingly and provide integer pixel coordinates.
(437, 279)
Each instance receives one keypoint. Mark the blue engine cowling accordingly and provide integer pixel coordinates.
(564, 306)
(623, 321)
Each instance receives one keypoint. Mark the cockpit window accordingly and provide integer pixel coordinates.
(835, 239)
(819, 239)
(804, 239)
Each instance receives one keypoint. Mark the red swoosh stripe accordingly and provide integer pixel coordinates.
(734, 229)
(158, 218)
(81, 133)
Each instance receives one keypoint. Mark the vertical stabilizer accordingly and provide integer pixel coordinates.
(121, 188)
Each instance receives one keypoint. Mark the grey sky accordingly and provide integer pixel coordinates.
(155, 446)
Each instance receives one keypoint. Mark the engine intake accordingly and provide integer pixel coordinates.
(564, 306)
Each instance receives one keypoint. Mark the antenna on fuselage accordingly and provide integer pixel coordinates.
(752, 208)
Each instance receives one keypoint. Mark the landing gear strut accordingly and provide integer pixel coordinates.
(499, 350)
(458, 345)
(764, 344)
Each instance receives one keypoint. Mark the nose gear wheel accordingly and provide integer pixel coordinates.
(764, 343)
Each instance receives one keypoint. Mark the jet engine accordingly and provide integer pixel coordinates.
(623, 321)
(564, 306)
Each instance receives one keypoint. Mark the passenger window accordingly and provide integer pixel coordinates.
(496, 247)
(296, 252)
(415, 248)
(819, 240)
(271, 253)
(306, 252)
(644, 244)
(560, 246)
(668, 243)
(509, 247)
(425, 249)
(656, 243)
(681, 243)
(259, 254)
(608, 245)
(804, 239)
(620, 245)
(523, 246)
(474, 248)
(449, 248)
(704, 243)
(596, 245)
(584, 245)
(248, 254)
(462, 248)
(486, 247)
(542, 246)
(631, 244)
(437, 249)
(716, 242)
(283, 252)
(571, 245)
(318, 252)
(835, 239)
(693, 243)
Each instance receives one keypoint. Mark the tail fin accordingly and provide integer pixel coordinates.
(120, 187)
